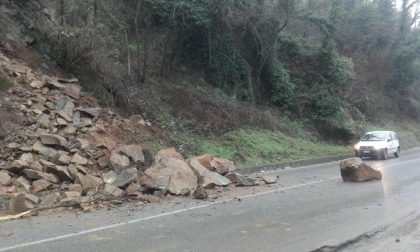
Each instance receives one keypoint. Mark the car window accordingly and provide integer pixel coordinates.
(394, 135)
(374, 137)
(388, 136)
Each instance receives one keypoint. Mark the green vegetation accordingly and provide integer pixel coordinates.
(253, 147)
(4, 84)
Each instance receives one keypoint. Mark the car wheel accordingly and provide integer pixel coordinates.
(385, 154)
(356, 154)
(397, 154)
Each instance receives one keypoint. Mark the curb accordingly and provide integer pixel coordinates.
(301, 163)
(293, 164)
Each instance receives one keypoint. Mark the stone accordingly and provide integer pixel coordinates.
(70, 130)
(200, 193)
(78, 160)
(71, 198)
(110, 177)
(207, 178)
(126, 177)
(19, 203)
(88, 182)
(36, 165)
(38, 84)
(60, 122)
(4, 178)
(84, 143)
(72, 90)
(170, 173)
(113, 190)
(13, 145)
(64, 159)
(61, 172)
(27, 157)
(50, 200)
(52, 82)
(118, 162)
(269, 179)
(47, 152)
(65, 115)
(63, 80)
(133, 152)
(43, 121)
(22, 184)
(32, 198)
(219, 165)
(54, 140)
(36, 175)
(16, 166)
(241, 180)
(354, 170)
(76, 187)
(40, 185)
(92, 112)
(133, 189)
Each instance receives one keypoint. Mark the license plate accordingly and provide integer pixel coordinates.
(366, 151)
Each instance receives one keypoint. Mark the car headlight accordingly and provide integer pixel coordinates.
(357, 146)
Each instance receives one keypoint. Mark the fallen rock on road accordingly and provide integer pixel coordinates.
(354, 170)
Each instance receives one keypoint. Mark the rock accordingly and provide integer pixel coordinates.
(44, 121)
(54, 140)
(168, 172)
(61, 172)
(79, 160)
(170, 152)
(52, 82)
(40, 185)
(65, 115)
(4, 178)
(50, 200)
(269, 179)
(118, 162)
(71, 198)
(207, 178)
(76, 187)
(27, 157)
(72, 90)
(13, 145)
(32, 198)
(22, 184)
(200, 193)
(241, 180)
(16, 166)
(64, 159)
(354, 170)
(49, 153)
(38, 84)
(63, 80)
(133, 189)
(126, 177)
(110, 177)
(92, 112)
(219, 165)
(36, 166)
(113, 190)
(88, 182)
(36, 175)
(60, 122)
(19, 203)
(70, 130)
(133, 152)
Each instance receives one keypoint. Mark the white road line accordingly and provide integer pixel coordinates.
(88, 231)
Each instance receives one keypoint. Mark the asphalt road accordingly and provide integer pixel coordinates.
(308, 209)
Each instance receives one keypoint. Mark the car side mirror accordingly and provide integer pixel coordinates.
(389, 140)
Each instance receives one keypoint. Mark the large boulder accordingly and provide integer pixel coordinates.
(125, 157)
(354, 170)
(219, 165)
(170, 172)
(206, 178)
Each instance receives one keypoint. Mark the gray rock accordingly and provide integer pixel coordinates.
(53, 140)
(92, 112)
(36, 175)
(207, 178)
(126, 177)
(79, 160)
(110, 177)
(40, 185)
(4, 178)
(49, 153)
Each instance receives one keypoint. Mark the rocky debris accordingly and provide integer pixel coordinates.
(219, 165)
(207, 178)
(354, 170)
(65, 150)
(170, 171)
(268, 179)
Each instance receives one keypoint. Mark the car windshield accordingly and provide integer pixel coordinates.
(374, 137)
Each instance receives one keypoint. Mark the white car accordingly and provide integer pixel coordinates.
(378, 144)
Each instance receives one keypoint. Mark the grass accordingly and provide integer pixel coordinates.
(255, 147)
(4, 84)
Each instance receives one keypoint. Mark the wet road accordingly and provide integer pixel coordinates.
(309, 208)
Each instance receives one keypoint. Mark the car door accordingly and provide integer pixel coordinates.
(390, 142)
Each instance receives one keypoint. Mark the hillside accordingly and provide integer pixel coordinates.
(252, 81)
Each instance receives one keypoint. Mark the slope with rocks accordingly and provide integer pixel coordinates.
(58, 148)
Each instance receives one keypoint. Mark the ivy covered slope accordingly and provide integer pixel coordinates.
(256, 81)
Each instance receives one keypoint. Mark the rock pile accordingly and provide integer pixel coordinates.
(59, 150)
(354, 170)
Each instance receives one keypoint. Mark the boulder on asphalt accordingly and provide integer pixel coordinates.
(268, 179)
(170, 172)
(207, 178)
(126, 177)
(354, 170)
(219, 165)
(50, 200)
(242, 180)
(200, 193)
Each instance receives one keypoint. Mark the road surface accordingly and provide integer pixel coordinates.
(310, 208)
